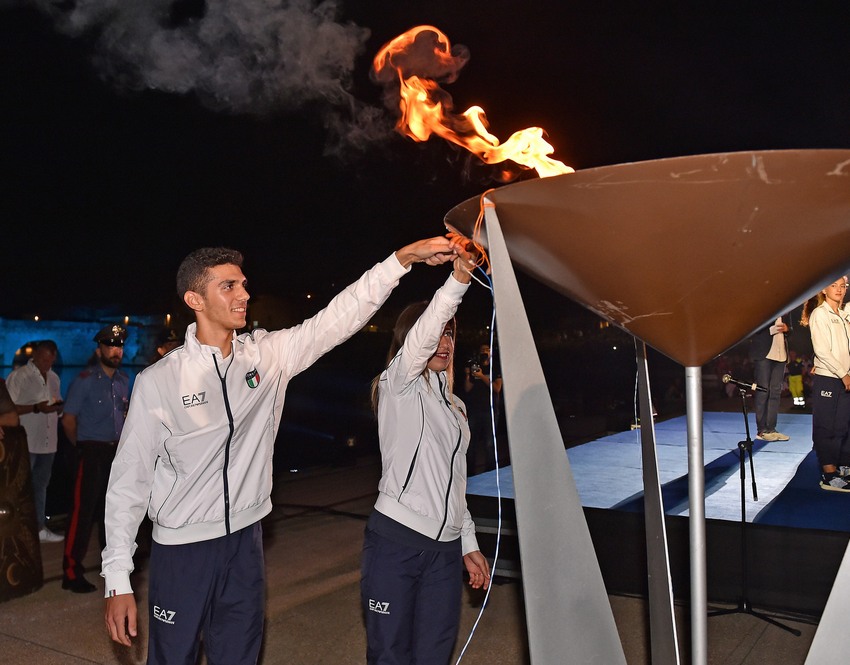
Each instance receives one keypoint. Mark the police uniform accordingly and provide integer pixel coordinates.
(99, 403)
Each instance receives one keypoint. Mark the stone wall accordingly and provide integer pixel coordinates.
(75, 339)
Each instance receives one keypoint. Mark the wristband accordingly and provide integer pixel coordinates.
(35, 408)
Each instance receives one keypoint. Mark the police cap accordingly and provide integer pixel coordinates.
(113, 335)
(167, 335)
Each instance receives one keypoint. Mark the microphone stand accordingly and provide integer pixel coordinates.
(744, 606)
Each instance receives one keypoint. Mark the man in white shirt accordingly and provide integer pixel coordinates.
(35, 389)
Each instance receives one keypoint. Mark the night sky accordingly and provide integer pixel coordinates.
(128, 141)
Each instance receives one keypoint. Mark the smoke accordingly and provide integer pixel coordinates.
(252, 57)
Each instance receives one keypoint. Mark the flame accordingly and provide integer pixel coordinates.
(421, 57)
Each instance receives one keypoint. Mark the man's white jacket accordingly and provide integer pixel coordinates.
(196, 449)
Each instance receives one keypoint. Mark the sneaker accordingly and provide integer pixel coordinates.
(779, 436)
(47, 536)
(770, 436)
(834, 483)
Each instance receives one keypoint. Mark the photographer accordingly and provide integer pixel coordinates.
(476, 386)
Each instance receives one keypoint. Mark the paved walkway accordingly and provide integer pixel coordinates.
(313, 541)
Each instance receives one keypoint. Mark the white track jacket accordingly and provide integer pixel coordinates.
(196, 449)
(424, 434)
(830, 341)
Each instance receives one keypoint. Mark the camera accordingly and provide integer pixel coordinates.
(476, 362)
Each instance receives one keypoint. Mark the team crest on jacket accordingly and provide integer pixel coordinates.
(252, 378)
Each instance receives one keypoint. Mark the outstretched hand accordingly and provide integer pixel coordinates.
(433, 251)
(466, 258)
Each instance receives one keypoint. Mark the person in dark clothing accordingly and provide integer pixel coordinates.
(769, 353)
(94, 414)
(476, 386)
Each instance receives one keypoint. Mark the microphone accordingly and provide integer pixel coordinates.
(727, 378)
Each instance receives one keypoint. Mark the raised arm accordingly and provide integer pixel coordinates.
(433, 251)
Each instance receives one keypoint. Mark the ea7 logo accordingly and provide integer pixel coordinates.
(166, 616)
(826, 393)
(379, 607)
(195, 399)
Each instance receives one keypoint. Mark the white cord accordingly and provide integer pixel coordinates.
(498, 484)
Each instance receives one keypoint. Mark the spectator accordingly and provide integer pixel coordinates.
(796, 369)
(769, 353)
(830, 327)
(35, 389)
(93, 420)
(166, 341)
(476, 386)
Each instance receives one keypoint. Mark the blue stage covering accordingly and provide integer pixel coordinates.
(607, 472)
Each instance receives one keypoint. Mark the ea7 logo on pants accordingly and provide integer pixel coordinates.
(826, 393)
(166, 616)
(379, 607)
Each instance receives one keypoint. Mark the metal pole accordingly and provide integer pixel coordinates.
(696, 522)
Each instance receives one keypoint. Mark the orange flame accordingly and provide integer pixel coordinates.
(421, 57)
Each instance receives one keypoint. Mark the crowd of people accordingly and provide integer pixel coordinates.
(185, 459)
(820, 381)
(199, 418)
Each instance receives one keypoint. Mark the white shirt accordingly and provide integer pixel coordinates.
(27, 386)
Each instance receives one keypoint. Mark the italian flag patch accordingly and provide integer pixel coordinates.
(252, 378)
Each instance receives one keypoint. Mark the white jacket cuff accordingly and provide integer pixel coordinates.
(117, 584)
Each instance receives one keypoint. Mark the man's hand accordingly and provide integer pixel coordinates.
(121, 618)
(478, 569)
(433, 251)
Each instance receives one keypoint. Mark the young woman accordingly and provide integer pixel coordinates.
(420, 534)
(830, 328)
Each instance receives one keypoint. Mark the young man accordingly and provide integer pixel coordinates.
(196, 454)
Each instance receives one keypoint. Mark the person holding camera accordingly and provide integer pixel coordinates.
(476, 385)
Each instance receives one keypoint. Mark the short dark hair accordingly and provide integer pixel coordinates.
(192, 274)
(48, 344)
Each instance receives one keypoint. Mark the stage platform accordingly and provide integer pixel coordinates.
(796, 533)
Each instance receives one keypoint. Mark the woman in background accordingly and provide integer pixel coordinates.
(830, 328)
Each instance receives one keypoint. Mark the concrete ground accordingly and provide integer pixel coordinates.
(313, 539)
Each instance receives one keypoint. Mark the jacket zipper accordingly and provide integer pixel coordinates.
(225, 482)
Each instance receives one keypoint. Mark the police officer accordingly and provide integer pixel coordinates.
(94, 414)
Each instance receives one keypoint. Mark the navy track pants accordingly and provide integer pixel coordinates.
(411, 602)
(213, 588)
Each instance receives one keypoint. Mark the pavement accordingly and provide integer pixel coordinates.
(313, 539)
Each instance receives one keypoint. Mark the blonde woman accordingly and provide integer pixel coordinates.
(830, 329)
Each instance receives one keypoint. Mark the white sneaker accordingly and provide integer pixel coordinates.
(47, 536)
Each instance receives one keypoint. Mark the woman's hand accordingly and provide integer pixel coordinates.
(478, 569)
(466, 258)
